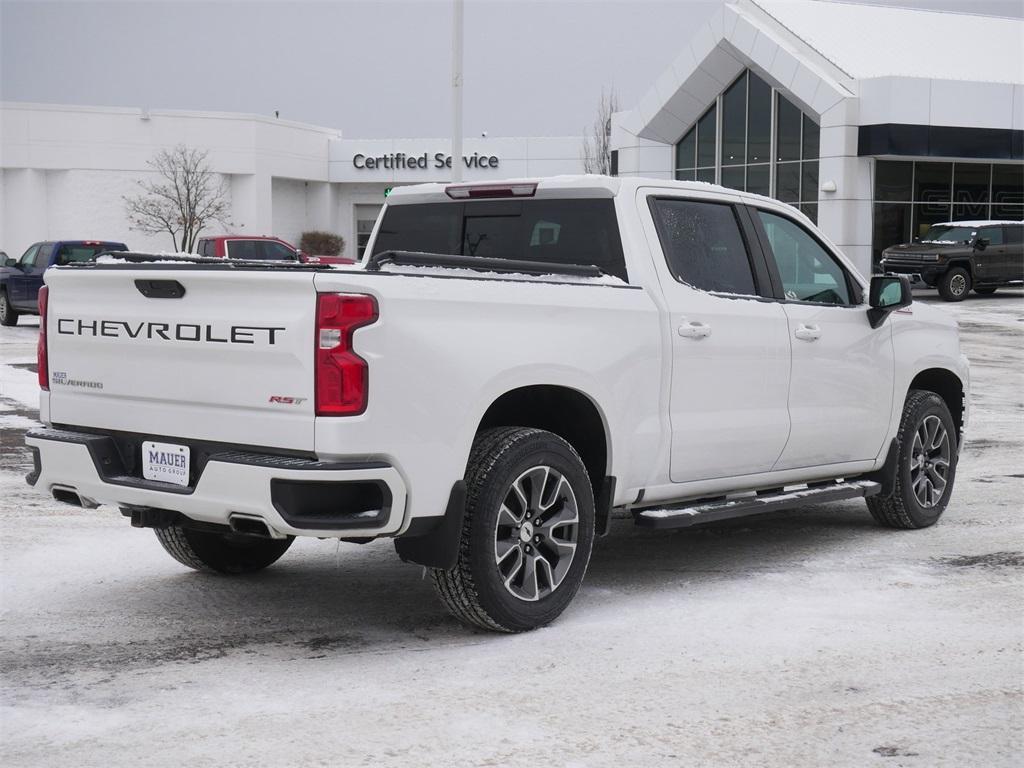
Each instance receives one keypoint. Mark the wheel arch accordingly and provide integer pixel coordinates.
(564, 411)
(947, 385)
(964, 262)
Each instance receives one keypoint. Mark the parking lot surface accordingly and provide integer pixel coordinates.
(806, 638)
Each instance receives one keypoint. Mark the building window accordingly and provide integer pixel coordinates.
(366, 217)
(796, 157)
(740, 155)
(911, 196)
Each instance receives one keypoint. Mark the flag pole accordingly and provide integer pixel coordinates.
(457, 90)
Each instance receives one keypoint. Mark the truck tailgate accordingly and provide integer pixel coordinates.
(229, 361)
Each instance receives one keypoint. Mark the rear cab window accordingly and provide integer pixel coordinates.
(584, 232)
(70, 253)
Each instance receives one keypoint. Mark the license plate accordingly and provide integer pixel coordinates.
(165, 462)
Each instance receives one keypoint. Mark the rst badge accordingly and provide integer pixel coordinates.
(165, 462)
(286, 400)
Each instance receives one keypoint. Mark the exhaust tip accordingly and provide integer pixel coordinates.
(251, 526)
(68, 496)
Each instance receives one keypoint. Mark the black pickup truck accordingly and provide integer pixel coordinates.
(958, 255)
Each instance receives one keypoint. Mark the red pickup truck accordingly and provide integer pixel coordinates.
(260, 248)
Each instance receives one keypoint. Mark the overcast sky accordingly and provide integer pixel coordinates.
(370, 69)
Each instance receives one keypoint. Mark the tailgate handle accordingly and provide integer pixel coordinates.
(160, 289)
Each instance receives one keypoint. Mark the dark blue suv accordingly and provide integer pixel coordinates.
(21, 279)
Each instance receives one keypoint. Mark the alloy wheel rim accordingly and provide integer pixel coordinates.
(3, 306)
(958, 284)
(536, 533)
(929, 461)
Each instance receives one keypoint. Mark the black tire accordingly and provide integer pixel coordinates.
(8, 316)
(220, 552)
(955, 284)
(985, 290)
(904, 509)
(475, 591)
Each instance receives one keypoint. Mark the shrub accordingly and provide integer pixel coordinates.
(321, 243)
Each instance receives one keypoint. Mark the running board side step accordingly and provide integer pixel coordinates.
(723, 508)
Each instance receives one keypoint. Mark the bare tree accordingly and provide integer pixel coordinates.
(597, 151)
(185, 197)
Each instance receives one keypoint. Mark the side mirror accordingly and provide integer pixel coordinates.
(981, 243)
(9, 262)
(887, 294)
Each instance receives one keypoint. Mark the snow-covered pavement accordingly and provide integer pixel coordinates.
(805, 639)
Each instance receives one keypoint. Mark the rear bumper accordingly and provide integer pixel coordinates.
(293, 496)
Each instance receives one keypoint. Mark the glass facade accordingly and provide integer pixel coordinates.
(910, 196)
(739, 153)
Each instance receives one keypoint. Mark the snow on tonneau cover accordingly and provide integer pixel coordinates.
(230, 361)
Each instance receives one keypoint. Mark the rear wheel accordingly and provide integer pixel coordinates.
(528, 532)
(985, 290)
(955, 284)
(220, 552)
(925, 466)
(8, 316)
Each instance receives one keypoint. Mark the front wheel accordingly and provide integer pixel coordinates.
(955, 284)
(527, 535)
(925, 466)
(8, 316)
(220, 552)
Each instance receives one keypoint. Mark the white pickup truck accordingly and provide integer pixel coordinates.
(509, 365)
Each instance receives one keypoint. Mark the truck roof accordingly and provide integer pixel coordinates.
(578, 185)
(979, 223)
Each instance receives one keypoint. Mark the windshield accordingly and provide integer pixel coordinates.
(72, 252)
(552, 231)
(944, 233)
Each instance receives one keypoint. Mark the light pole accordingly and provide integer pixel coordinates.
(457, 90)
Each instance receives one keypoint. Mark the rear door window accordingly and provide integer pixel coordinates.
(550, 231)
(43, 256)
(703, 245)
(242, 249)
(1014, 234)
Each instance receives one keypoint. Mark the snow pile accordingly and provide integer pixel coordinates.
(19, 385)
(163, 257)
(432, 271)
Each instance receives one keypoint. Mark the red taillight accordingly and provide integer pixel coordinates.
(342, 376)
(41, 360)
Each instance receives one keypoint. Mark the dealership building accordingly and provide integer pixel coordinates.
(65, 170)
(874, 121)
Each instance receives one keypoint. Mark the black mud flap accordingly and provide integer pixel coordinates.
(886, 474)
(603, 513)
(438, 545)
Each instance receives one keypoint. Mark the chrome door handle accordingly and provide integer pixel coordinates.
(807, 332)
(694, 329)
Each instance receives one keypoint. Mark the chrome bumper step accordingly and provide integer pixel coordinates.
(741, 505)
